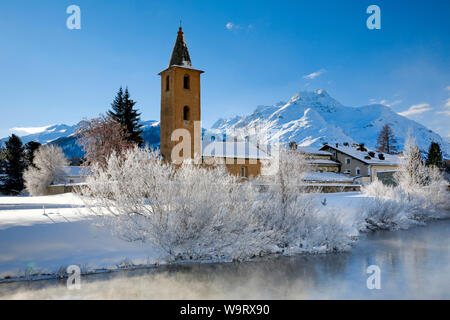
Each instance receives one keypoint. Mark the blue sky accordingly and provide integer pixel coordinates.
(253, 52)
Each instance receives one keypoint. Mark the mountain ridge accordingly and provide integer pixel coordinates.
(312, 118)
(309, 118)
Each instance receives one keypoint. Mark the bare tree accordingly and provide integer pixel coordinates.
(100, 137)
(386, 141)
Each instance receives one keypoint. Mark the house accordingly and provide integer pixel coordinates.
(73, 175)
(69, 178)
(358, 161)
(320, 160)
(181, 136)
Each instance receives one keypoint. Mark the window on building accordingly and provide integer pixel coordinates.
(358, 171)
(186, 113)
(186, 83)
(347, 160)
(243, 171)
(167, 83)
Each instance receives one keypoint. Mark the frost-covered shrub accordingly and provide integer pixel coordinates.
(190, 212)
(47, 168)
(386, 207)
(420, 194)
(204, 213)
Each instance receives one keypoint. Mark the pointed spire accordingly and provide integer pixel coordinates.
(180, 53)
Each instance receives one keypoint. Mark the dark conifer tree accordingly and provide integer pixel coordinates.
(14, 165)
(30, 148)
(434, 155)
(123, 112)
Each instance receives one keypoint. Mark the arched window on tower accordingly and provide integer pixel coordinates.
(186, 113)
(167, 83)
(186, 83)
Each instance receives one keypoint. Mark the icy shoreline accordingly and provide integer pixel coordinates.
(37, 245)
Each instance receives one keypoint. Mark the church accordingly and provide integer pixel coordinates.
(181, 132)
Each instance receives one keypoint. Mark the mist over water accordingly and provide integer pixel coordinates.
(415, 264)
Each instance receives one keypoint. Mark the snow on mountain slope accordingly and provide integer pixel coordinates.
(311, 118)
(63, 136)
(43, 134)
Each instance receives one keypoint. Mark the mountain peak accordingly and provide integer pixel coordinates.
(312, 117)
(316, 97)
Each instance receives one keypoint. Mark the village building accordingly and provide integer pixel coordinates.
(359, 162)
(181, 118)
(320, 160)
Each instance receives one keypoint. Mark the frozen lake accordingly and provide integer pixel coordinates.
(415, 264)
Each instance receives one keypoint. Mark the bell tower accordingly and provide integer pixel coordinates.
(180, 100)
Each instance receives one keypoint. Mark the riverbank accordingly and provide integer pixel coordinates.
(414, 264)
(41, 236)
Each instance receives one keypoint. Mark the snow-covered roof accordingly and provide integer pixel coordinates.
(363, 156)
(314, 151)
(76, 171)
(232, 149)
(327, 177)
(321, 161)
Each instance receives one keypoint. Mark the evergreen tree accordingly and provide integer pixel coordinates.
(30, 149)
(15, 164)
(434, 155)
(386, 141)
(2, 159)
(123, 112)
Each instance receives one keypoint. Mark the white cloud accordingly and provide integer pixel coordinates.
(231, 26)
(416, 109)
(30, 130)
(447, 103)
(447, 88)
(314, 74)
(386, 102)
(445, 112)
(445, 106)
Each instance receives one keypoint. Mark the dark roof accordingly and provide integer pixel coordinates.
(180, 54)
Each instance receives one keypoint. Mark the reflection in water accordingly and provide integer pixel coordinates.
(414, 264)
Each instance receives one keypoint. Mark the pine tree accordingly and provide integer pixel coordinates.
(30, 149)
(124, 113)
(2, 159)
(386, 141)
(15, 164)
(434, 155)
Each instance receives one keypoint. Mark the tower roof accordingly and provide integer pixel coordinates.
(180, 53)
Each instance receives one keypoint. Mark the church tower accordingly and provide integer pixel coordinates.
(180, 100)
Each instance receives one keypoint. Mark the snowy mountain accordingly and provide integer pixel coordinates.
(43, 134)
(312, 118)
(308, 118)
(63, 136)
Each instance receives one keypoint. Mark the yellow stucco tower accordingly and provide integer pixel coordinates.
(180, 100)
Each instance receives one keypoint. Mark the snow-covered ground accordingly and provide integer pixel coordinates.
(41, 236)
(44, 235)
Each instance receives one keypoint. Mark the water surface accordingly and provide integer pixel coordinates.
(415, 264)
